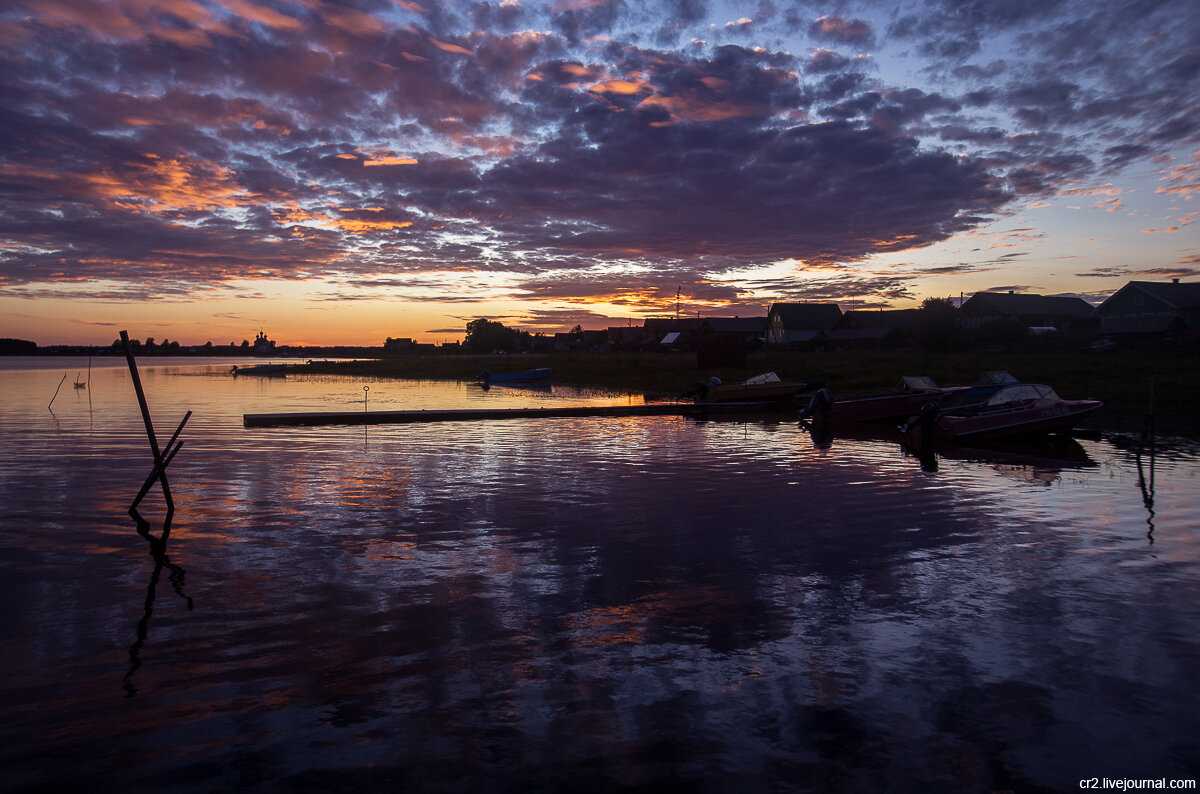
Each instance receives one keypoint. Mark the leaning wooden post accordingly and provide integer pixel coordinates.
(170, 450)
(159, 464)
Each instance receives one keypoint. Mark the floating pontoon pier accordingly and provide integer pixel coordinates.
(488, 414)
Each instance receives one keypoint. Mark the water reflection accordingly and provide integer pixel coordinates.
(580, 603)
(175, 575)
(1146, 483)
(1038, 460)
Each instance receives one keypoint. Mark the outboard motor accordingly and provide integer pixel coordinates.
(700, 390)
(821, 402)
(925, 419)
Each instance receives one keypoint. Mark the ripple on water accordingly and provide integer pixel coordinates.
(631, 601)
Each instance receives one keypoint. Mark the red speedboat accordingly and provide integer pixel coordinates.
(911, 395)
(1014, 409)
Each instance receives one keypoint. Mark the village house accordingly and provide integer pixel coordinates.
(873, 329)
(749, 330)
(1151, 311)
(627, 337)
(801, 326)
(1036, 312)
(671, 333)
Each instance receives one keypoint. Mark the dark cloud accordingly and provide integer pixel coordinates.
(349, 140)
(839, 30)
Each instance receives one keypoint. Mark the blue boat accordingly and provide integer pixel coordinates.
(261, 369)
(524, 376)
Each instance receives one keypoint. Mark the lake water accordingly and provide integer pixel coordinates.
(575, 604)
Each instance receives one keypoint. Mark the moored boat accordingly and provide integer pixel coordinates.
(261, 369)
(911, 394)
(1008, 410)
(767, 386)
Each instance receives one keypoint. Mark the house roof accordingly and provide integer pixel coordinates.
(736, 325)
(1015, 304)
(1172, 293)
(875, 318)
(808, 316)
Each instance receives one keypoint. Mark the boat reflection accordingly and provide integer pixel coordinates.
(1038, 460)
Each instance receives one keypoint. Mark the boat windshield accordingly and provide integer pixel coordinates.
(994, 378)
(916, 383)
(1023, 392)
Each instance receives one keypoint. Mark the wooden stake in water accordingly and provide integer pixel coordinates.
(50, 407)
(159, 472)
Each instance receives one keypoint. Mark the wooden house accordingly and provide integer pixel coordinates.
(1151, 310)
(1060, 312)
(873, 329)
(801, 325)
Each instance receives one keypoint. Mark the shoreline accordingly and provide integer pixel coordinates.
(1134, 385)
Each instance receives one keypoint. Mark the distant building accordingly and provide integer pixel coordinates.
(262, 345)
(1151, 310)
(1033, 311)
(750, 330)
(801, 325)
(873, 329)
(668, 333)
(569, 341)
(622, 337)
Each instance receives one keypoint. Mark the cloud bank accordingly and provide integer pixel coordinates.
(584, 150)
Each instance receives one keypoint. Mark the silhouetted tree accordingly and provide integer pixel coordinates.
(18, 347)
(938, 326)
(484, 335)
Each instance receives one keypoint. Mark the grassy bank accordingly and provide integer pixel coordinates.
(1122, 379)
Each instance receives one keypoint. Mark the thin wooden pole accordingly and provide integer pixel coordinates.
(159, 463)
(50, 407)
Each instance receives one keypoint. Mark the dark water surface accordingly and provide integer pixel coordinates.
(577, 604)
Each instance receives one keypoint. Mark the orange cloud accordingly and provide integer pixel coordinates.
(390, 161)
(134, 21)
(621, 87)
(689, 107)
(352, 21)
(333, 217)
(447, 47)
(267, 17)
(180, 183)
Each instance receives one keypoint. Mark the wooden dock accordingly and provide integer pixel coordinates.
(491, 414)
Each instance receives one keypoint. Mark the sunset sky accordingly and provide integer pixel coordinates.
(338, 172)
